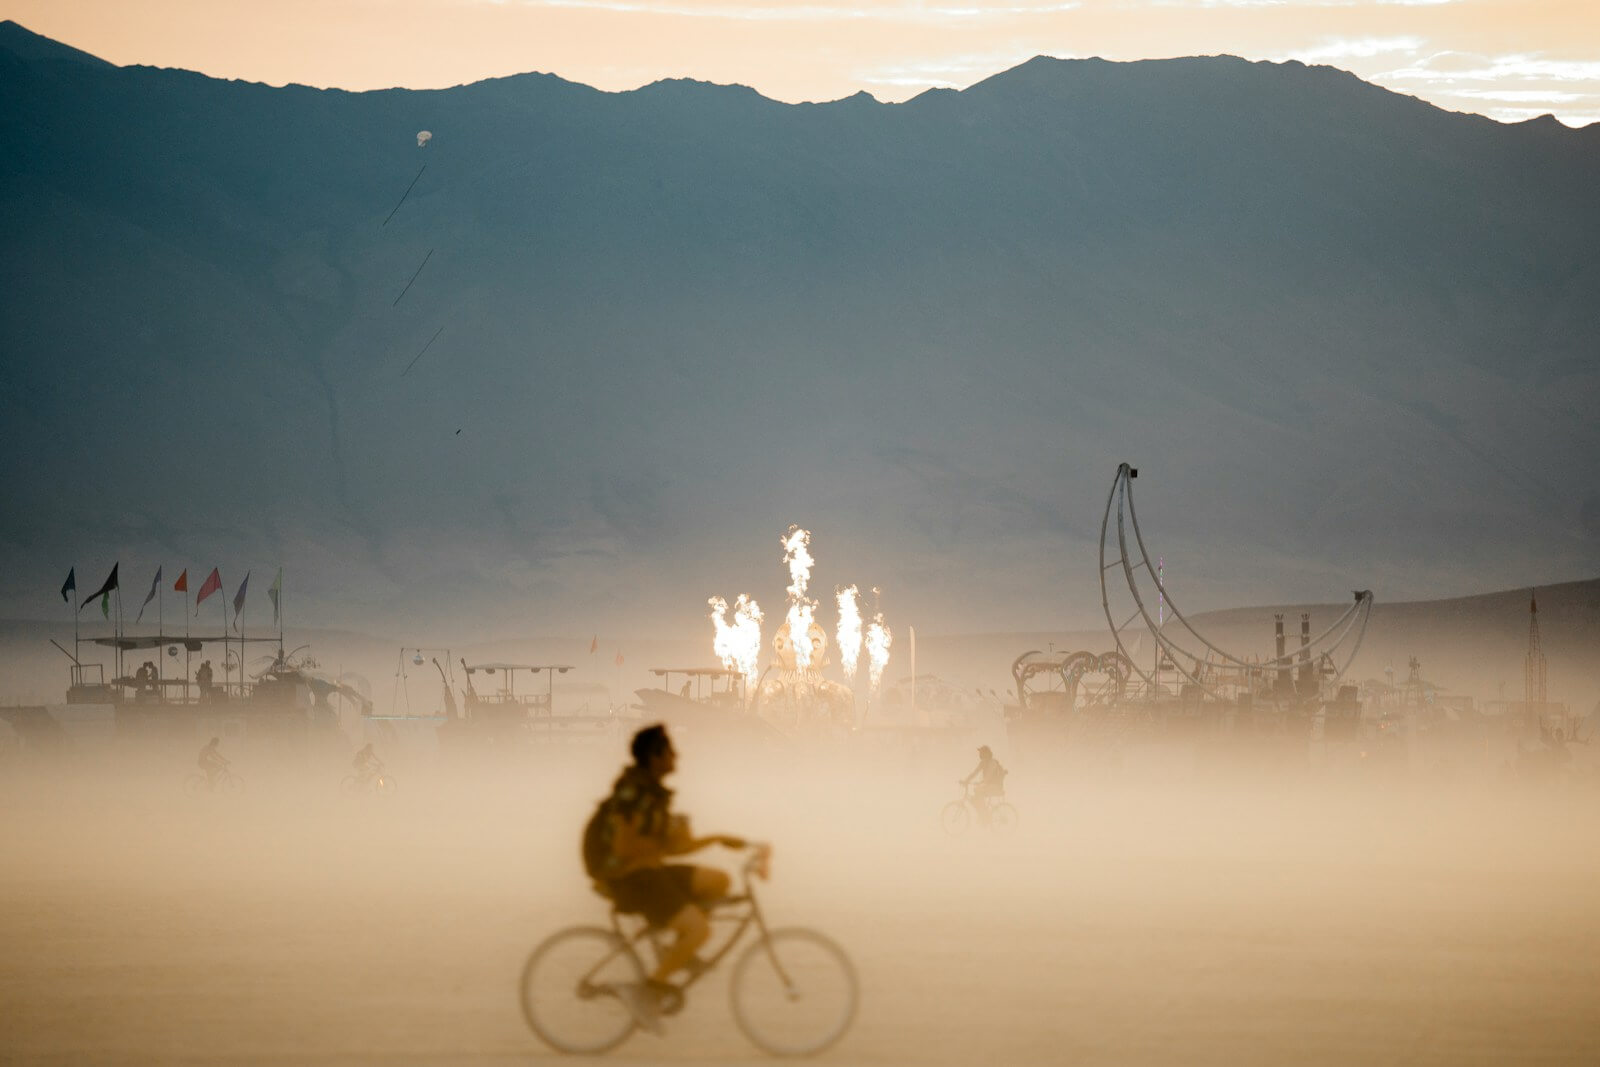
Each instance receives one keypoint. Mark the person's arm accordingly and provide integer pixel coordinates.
(681, 842)
(968, 779)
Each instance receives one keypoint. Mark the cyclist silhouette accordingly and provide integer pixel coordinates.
(211, 761)
(991, 782)
(635, 833)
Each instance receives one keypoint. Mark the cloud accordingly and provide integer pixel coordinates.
(1287, 3)
(1465, 81)
(883, 11)
(1523, 96)
(957, 71)
(1356, 48)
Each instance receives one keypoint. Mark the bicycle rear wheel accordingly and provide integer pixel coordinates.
(955, 818)
(793, 993)
(1003, 819)
(350, 786)
(567, 991)
(194, 785)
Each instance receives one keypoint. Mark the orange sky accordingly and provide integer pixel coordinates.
(1511, 59)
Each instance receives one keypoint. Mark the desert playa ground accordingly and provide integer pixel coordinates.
(1130, 919)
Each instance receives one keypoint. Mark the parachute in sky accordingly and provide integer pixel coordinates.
(423, 137)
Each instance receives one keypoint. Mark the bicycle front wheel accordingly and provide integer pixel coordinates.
(793, 992)
(955, 817)
(231, 784)
(568, 990)
(383, 785)
(1003, 819)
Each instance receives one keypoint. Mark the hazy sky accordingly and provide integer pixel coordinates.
(1511, 59)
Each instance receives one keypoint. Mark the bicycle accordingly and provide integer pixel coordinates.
(793, 991)
(381, 783)
(999, 815)
(225, 782)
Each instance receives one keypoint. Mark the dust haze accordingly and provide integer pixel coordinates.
(1158, 907)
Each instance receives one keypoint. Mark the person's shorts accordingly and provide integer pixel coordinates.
(657, 893)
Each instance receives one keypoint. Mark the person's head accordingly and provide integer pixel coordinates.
(367, 747)
(652, 750)
(984, 753)
(214, 742)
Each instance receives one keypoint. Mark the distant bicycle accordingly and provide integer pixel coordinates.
(225, 782)
(793, 991)
(996, 814)
(380, 784)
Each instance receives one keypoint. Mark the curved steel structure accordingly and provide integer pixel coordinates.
(1196, 658)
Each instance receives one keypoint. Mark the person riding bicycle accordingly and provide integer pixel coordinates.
(625, 851)
(212, 762)
(367, 764)
(991, 783)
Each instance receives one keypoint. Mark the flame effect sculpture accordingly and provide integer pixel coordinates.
(793, 695)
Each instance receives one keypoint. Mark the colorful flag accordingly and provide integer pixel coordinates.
(105, 606)
(238, 599)
(155, 583)
(71, 584)
(619, 659)
(182, 584)
(209, 586)
(276, 588)
(104, 592)
(594, 644)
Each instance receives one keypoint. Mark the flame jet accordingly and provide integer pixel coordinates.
(738, 644)
(878, 640)
(848, 635)
(802, 609)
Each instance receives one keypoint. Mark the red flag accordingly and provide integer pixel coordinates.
(182, 584)
(594, 644)
(619, 659)
(211, 585)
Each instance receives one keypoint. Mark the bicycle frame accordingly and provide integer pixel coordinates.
(751, 915)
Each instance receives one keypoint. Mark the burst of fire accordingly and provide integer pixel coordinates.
(802, 609)
(848, 636)
(737, 644)
(878, 641)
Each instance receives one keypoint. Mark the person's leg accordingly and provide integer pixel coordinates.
(691, 929)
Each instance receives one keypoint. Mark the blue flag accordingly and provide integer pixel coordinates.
(238, 599)
(155, 583)
(71, 584)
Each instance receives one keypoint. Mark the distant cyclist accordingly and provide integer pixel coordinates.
(212, 762)
(625, 850)
(367, 764)
(991, 782)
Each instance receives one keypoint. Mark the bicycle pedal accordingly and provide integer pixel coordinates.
(669, 1001)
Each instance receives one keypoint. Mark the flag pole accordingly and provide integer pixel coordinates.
(186, 673)
(227, 672)
(119, 628)
(161, 625)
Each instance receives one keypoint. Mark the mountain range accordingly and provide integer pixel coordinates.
(582, 360)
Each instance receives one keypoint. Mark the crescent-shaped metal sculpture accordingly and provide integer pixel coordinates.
(1195, 657)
